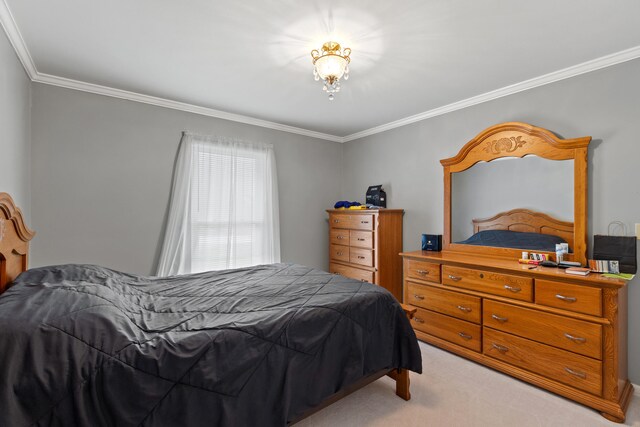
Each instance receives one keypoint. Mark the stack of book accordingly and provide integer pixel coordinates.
(601, 266)
(579, 271)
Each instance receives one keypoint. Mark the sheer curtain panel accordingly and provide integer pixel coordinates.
(224, 207)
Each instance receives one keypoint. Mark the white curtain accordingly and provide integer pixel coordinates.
(224, 207)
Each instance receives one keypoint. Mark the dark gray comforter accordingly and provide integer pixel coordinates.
(86, 345)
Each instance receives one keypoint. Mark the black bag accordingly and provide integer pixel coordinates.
(617, 248)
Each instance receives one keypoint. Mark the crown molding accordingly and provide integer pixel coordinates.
(576, 70)
(15, 38)
(176, 105)
(11, 29)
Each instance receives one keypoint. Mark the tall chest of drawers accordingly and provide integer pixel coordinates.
(365, 245)
(561, 332)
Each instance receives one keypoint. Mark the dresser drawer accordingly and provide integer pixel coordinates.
(339, 237)
(574, 370)
(352, 221)
(574, 335)
(581, 299)
(506, 285)
(361, 256)
(453, 304)
(361, 239)
(453, 330)
(423, 270)
(339, 252)
(351, 272)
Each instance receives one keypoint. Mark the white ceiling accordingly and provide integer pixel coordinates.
(251, 57)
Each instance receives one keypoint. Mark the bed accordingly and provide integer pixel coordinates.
(266, 345)
(521, 229)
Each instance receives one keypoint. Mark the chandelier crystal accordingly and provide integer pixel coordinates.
(331, 65)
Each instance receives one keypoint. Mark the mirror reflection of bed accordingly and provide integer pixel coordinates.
(520, 203)
(521, 229)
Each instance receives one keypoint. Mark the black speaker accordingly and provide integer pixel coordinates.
(432, 242)
(376, 196)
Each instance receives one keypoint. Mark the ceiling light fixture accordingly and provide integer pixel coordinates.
(330, 66)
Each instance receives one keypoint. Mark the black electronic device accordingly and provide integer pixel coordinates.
(376, 196)
(547, 263)
(432, 242)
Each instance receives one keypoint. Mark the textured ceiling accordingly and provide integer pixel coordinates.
(252, 57)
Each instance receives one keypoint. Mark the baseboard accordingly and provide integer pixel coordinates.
(636, 389)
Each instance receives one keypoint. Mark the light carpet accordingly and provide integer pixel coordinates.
(453, 391)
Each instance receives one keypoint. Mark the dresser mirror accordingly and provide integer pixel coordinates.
(514, 188)
(531, 182)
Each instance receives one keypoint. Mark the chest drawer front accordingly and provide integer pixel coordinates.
(423, 270)
(340, 253)
(453, 304)
(351, 272)
(581, 299)
(453, 330)
(506, 285)
(570, 334)
(353, 221)
(339, 237)
(340, 221)
(361, 256)
(562, 366)
(361, 239)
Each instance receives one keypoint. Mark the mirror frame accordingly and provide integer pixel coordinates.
(516, 139)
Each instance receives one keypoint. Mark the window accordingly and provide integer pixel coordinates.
(224, 207)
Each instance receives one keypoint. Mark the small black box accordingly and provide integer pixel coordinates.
(432, 242)
(376, 196)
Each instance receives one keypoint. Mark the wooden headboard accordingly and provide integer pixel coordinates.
(528, 221)
(14, 241)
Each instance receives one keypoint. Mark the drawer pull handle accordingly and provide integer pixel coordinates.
(455, 278)
(360, 239)
(465, 336)
(340, 237)
(499, 319)
(576, 373)
(465, 309)
(575, 339)
(339, 253)
(419, 320)
(336, 221)
(513, 289)
(416, 296)
(360, 257)
(422, 272)
(364, 222)
(567, 299)
(500, 348)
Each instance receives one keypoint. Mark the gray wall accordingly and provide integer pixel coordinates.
(102, 169)
(15, 145)
(604, 104)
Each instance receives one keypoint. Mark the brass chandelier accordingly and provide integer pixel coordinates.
(331, 65)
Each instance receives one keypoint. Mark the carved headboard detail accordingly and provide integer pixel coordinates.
(525, 220)
(14, 241)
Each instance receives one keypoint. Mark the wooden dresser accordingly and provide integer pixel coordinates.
(365, 245)
(565, 333)
(562, 332)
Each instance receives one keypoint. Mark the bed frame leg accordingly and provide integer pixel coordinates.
(401, 377)
(402, 384)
